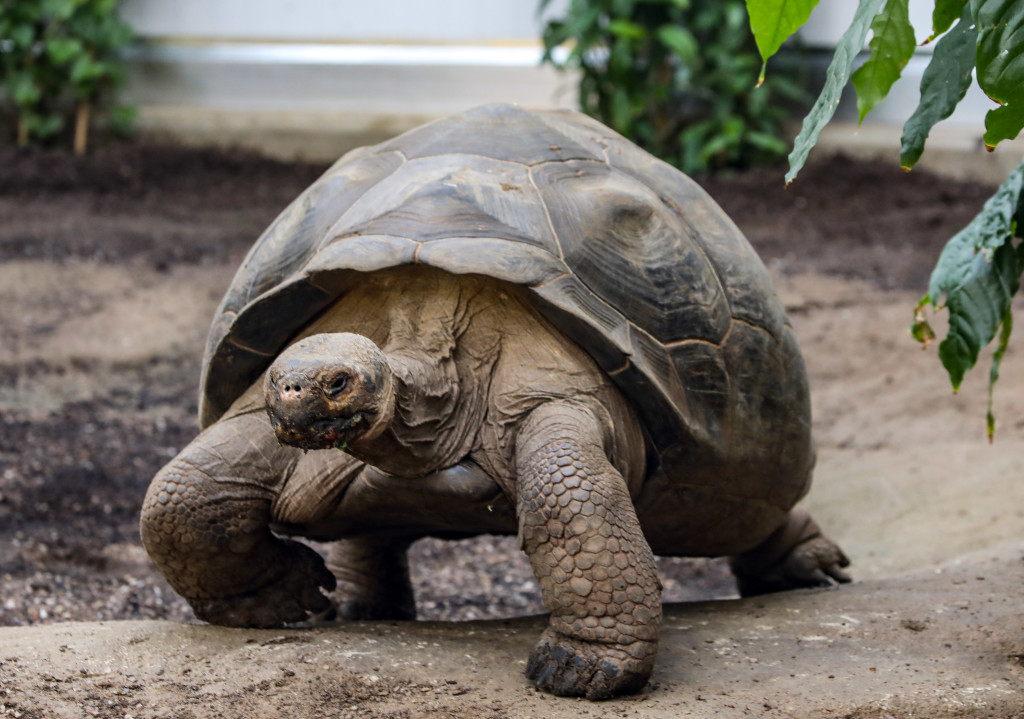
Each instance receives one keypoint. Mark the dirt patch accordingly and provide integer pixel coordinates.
(112, 267)
(872, 650)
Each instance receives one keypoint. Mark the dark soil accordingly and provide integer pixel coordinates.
(72, 478)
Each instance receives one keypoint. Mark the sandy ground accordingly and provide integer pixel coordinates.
(930, 513)
(922, 645)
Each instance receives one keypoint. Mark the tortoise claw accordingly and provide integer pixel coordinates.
(570, 667)
(797, 555)
(291, 597)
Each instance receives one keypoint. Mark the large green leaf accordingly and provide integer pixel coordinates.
(984, 234)
(976, 307)
(978, 272)
(1000, 61)
(836, 77)
(946, 80)
(773, 21)
(892, 45)
(945, 12)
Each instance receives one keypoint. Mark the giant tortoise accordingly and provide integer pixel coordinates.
(507, 321)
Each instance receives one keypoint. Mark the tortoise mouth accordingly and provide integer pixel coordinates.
(323, 433)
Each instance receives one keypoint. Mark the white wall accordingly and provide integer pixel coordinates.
(464, 21)
(343, 71)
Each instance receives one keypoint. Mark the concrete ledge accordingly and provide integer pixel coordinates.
(312, 136)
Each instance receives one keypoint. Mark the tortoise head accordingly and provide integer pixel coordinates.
(330, 390)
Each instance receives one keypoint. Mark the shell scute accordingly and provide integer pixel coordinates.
(485, 131)
(295, 236)
(747, 284)
(453, 195)
(627, 246)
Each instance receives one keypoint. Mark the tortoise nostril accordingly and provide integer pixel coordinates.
(290, 388)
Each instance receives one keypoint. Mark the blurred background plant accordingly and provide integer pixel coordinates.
(678, 77)
(59, 59)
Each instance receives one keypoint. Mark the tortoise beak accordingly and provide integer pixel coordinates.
(303, 417)
(322, 433)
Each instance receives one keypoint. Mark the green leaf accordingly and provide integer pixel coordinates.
(836, 77)
(891, 47)
(680, 41)
(773, 21)
(979, 273)
(766, 142)
(997, 221)
(579, 24)
(62, 50)
(622, 111)
(25, 90)
(86, 71)
(945, 12)
(921, 330)
(622, 7)
(997, 360)
(976, 307)
(984, 234)
(23, 36)
(627, 29)
(1004, 123)
(59, 9)
(944, 83)
(44, 125)
(1000, 61)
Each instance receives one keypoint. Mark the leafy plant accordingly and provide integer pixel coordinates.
(678, 77)
(979, 271)
(58, 58)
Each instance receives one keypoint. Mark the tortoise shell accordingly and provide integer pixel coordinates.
(620, 251)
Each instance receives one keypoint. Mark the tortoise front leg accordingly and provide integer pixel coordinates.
(205, 523)
(596, 572)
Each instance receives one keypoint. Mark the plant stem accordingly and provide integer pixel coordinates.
(22, 131)
(82, 126)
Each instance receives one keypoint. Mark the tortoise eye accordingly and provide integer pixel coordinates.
(339, 384)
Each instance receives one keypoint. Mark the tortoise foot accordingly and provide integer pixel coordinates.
(373, 579)
(293, 596)
(796, 555)
(379, 608)
(575, 668)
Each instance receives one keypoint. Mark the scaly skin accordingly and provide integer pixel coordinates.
(207, 529)
(596, 573)
(795, 555)
(373, 578)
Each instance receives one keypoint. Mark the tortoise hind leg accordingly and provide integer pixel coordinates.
(795, 555)
(373, 578)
